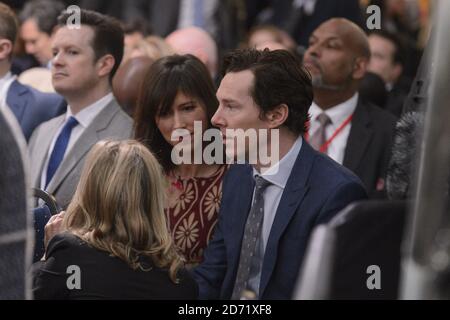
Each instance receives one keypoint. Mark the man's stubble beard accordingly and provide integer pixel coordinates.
(318, 82)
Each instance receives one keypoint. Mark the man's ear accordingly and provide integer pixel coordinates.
(105, 64)
(397, 72)
(277, 116)
(360, 68)
(6, 48)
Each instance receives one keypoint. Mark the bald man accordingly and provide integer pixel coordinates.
(127, 82)
(351, 131)
(197, 42)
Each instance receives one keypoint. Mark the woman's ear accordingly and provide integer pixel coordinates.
(277, 116)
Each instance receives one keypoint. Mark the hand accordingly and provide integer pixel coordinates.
(53, 227)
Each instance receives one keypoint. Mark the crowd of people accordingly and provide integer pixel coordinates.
(327, 92)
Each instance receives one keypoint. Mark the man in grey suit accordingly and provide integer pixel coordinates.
(85, 60)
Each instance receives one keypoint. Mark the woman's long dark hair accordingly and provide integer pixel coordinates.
(162, 82)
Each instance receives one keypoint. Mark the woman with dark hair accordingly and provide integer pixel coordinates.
(177, 92)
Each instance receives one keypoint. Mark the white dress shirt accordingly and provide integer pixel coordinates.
(84, 118)
(5, 83)
(278, 175)
(337, 114)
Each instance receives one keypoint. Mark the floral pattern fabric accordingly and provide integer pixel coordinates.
(192, 212)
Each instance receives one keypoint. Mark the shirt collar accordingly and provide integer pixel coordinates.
(7, 76)
(338, 113)
(87, 115)
(279, 173)
(5, 83)
(6, 79)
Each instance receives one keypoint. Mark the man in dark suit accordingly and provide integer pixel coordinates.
(388, 60)
(222, 19)
(267, 214)
(355, 134)
(301, 17)
(30, 106)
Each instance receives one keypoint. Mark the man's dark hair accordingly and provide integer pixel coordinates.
(44, 12)
(280, 78)
(137, 25)
(108, 35)
(8, 23)
(399, 53)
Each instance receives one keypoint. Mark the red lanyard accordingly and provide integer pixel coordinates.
(325, 146)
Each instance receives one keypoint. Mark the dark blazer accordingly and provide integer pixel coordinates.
(102, 276)
(369, 144)
(32, 107)
(317, 189)
(300, 25)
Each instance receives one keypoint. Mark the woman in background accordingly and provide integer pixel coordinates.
(178, 91)
(115, 243)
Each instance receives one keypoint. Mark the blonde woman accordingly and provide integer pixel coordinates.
(115, 243)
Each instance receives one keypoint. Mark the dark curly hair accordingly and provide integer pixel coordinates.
(280, 78)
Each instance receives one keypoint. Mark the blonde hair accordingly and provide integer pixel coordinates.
(153, 47)
(118, 206)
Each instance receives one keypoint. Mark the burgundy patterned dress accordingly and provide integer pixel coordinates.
(193, 211)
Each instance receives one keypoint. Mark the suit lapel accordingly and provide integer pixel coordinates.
(44, 140)
(17, 99)
(359, 138)
(89, 137)
(293, 194)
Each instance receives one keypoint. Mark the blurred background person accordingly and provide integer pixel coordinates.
(128, 81)
(388, 60)
(269, 33)
(223, 20)
(196, 41)
(115, 232)
(30, 107)
(177, 91)
(372, 89)
(38, 20)
(135, 31)
(406, 19)
(153, 47)
(299, 18)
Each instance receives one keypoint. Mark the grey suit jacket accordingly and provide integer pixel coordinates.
(110, 123)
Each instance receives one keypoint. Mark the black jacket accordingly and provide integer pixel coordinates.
(368, 148)
(101, 275)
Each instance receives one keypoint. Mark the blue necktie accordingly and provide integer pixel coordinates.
(60, 149)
